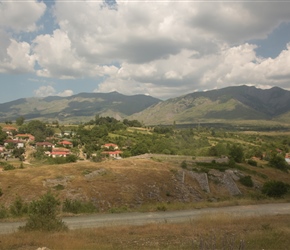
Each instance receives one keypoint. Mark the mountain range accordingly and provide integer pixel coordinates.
(226, 104)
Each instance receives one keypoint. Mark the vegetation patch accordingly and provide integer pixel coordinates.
(247, 181)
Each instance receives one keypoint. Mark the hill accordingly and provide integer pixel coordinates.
(80, 107)
(136, 183)
(231, 103)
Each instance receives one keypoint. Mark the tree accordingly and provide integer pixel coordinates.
(278, 161)
(20, 121)
(3, 135)
(237, 153)
(274, 188)
(43, 215)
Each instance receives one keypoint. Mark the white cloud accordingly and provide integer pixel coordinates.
(67, 92)
(44, 91)
(20, 16)
(15, 56)
(162, 48)
(17, 59)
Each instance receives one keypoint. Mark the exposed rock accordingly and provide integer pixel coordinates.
(201, 179)
(95, 173)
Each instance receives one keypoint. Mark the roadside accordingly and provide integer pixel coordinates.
(110, 220)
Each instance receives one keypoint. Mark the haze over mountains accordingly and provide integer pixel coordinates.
(231, 103)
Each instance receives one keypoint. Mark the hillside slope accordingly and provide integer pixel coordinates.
(131, 183)
(231, 103)
(81, 107)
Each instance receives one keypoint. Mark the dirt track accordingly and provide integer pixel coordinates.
(106, 220)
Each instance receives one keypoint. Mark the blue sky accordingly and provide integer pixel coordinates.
(161, 48)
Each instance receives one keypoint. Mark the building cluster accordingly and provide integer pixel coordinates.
(54, 146)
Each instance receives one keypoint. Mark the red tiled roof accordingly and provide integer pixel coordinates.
(110, 145)
(112, 152)
(13, 141)
(9, 128)
(43, 143)
(66, 143)
(60, 153)
(31, 137)
(60, 150)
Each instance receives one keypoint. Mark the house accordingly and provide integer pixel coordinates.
(9, 130)
(111, 146)
(287, 158)
(27, 137)
(16, 143)
(44, 144)
(113, 154)
(59, 152)
(66, 143)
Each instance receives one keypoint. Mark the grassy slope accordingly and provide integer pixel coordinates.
(128, 184)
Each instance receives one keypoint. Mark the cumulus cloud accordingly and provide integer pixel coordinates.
(163, 48)
(20, 16)
(16, 17)
(44, 91)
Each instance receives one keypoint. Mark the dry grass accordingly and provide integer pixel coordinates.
(129, 184)
(221, 231)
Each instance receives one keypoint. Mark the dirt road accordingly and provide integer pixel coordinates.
(106, 220)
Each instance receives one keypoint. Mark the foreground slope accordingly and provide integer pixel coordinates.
(133, 183)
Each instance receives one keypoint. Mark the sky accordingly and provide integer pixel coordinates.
(162, 48)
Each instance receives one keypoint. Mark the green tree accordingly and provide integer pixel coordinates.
(237, 153)
(278, 161)
(43, 215)
(3, 135)
(275, 189)
(20, 120)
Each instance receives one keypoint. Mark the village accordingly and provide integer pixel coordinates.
(21, 145)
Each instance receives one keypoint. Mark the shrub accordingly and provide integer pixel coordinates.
(278, 161)
(76, 207)
(247, 181)
(8, 167)
(252, 163)
(18, 207)
(42, 215)
(274, 188)
(1, 192)
(183, 164)
(3, 212)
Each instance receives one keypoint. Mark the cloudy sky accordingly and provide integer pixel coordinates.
(161, 48)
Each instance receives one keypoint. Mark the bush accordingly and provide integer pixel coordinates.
(247, 181)
(8, 167)
(3, 212)
(76, 207)
(18, 207)
(42, 215)
(183, 164)
(278, 161)
(252, 163)
(274, 189)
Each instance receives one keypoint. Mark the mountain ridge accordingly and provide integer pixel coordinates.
(225, 104)
(230, 103)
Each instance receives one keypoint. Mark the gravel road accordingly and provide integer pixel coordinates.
(106, 220)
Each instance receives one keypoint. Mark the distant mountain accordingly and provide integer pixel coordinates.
(231, 103)
(81, 107)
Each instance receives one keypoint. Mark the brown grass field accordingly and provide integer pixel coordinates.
(145, 185)
(210, 232)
